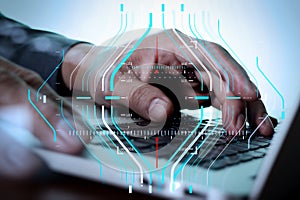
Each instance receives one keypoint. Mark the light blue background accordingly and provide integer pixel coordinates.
(267, 29)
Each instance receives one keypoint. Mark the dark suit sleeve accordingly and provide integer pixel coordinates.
(40, 51)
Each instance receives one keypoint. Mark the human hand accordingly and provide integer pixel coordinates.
(222, 76)
(17, 111)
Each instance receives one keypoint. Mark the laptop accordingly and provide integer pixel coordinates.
(202, 165)
(189, 155)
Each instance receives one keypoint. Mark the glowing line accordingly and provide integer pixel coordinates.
(201, 97)
(276, 90)
(124, 136)
(129, 53)
(78, 65)
(204, 24)
(104, 74)
(233, 97)
(205, 150)
(183, 143)
(42, 116)
(256, 130)
(112, 97)
(207, 59)
(46, 80)
(112, 152)
(174, 175)
(207, 173)
(179, 48)
(95, 115)
(86, 146)
(115, 39)
(196, 58)
(211, 55)
(182, 7)
(120, 142)
(83, 98)
(219, 31)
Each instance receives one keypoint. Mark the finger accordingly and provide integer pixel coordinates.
(234, 74)
(258, 117)
(146, 100)
(215, 59)
(46, 124)
(55, 125)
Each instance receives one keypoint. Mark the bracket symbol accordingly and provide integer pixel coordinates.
(118, 151)
(195, 44)
(195, 152)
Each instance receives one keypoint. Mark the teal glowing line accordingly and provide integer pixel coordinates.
(150, 179)
(112, 78)
(273, 86)
(233, 97)
(121, 7)
(201, 97)
(183, 53)
(112, 97)
(83, 118)
(112, 152)
(211, 53)
(112, 43)
(42, 116)
(199, 160)
(46, 80)
(190, 157)
(132, 178)
(92, 127)
(86, 146)
(95, 115)
(162, 7)
(63, 115)
(100, 170)
(83, 98)
(187, 160)
(204, 24)
(129, 142)
(183, 143)
(209, 27)
(109, 138)
(191, 189)
(182, 7)
(220, 35)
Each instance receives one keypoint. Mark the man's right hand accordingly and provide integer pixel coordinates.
(151, 103)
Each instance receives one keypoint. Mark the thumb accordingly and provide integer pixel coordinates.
(146, 100)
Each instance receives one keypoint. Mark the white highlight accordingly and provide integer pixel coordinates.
(124, 147)
(199, 61)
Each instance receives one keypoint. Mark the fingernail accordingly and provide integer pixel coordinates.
(157, 110)
(240, 122)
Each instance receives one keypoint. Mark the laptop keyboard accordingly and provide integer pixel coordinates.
(225, 152)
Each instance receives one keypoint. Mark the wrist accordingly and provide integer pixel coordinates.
(72, 60)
